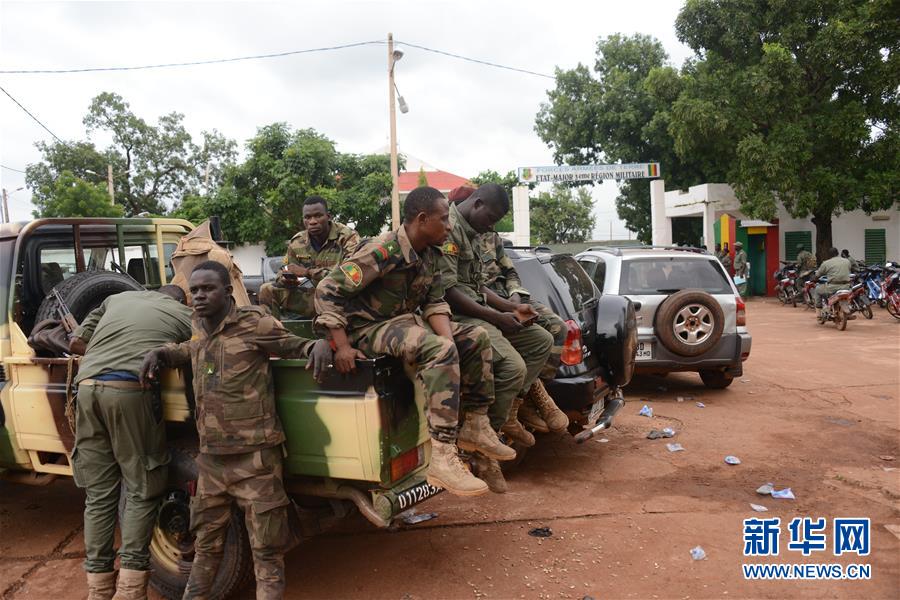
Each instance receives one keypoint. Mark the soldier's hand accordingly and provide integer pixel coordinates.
(345, 359)
(150, 369)
(297, 270)
(320, 359)
(507, 323)
(526, 314)
(515, 298)
(77, 346)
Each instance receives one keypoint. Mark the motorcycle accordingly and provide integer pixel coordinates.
(859, 299)
(785, 283)
(836, 308)
(890, 287)
(872, 277)
(807, 296)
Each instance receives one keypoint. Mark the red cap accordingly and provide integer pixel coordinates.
(458, 194)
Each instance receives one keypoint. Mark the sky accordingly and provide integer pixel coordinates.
(463, 117)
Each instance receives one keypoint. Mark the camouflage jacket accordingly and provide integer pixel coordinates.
(740, 263)
(341, 243)
(383, 279)
(806, 261)
(232, 378)
(461, 264)
(498, 271)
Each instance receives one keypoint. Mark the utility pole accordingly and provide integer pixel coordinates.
(395, 186)
(109, 184)
(5, 207)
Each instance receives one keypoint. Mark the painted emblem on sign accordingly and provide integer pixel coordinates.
(450, 248)
(353, 272)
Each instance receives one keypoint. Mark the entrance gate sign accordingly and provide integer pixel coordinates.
(562, 173)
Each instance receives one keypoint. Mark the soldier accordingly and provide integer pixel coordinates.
(806, 264)
(855, 265)
(500, 276)
(718, 252)
(740, 260)
(520, 352)
(836, 269)
(373, 301)
(120, 435)
(726, 258)
(241, 438)
(311, 253)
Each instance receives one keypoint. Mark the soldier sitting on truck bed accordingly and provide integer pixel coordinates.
(373, 301)
(311, 253)
(120, 435)
(241, 436)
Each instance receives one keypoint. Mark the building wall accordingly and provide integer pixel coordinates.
(848, 231)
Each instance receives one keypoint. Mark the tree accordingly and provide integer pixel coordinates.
(559, 218)
(423, 179)
(81, 160)
(797, 101)
(508, 181)
(71, 196)
(620, 112)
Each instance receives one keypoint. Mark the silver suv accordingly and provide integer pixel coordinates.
(690, 315)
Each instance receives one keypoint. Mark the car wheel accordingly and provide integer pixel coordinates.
(689, 322)
(83, 292)
(715, 380)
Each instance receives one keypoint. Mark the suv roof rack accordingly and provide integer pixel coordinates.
(617, 250)
(532, 248)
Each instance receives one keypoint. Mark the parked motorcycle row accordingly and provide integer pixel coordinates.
(874, 285)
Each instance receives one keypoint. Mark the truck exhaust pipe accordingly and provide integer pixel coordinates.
(609, 411)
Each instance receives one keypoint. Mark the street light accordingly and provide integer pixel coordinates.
(393, 57)
(6, 204)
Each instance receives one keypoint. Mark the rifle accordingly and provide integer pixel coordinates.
(64, 315)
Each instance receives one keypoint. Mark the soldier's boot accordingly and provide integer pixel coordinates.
(556, 420)
(101, 586)
(488, 470)
(513, 428)
(477, 435)
(132, 585)
(529, 415)
(446, 470)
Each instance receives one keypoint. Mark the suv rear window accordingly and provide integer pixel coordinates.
(647, 276)
(575, 278)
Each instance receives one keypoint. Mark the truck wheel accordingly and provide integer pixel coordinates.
(172, 546)
(689, 322)
(83, 292)
(715, 380)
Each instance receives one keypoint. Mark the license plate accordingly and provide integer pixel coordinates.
(417, 493)
(644, 351)
(596, 411)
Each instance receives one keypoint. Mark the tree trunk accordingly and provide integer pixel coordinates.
(823, 235)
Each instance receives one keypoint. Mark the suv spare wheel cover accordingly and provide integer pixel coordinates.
(689, 322)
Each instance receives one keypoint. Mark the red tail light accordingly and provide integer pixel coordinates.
(406, 462)
(741, 314)
(571, 354)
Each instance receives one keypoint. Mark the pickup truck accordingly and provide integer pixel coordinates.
(352, 442)
(268, 270)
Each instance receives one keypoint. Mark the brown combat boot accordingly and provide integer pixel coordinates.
(101, 586)
(529, 415)
(556, 420)
(132, 585)
(477, 435)
(446, 470)
(513, 427)
(488, 470)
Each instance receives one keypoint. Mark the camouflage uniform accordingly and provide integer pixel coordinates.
(806, 265)
(501, 277)
(341, 243)
(740, 263)
(376, 295)
(240, 443)
(518, 358)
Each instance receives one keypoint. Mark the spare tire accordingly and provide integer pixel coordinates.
(689, 322)
(616, 341)
(83, 292)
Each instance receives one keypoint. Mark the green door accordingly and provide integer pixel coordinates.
(756, 256)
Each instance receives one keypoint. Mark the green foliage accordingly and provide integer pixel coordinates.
(508, 181)
(559, 217)
(71, 196)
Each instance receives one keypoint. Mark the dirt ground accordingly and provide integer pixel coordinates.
(817, 410)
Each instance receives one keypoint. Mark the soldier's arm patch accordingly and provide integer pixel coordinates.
(450, 248)
(380, 253)
(353, 272)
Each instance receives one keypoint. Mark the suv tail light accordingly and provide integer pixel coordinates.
(741, 313)
(406, 462)
(572, 353)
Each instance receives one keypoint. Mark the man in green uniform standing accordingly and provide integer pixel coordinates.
(311, 253)
(520, 350)
(120, 434)
(241, 437)
(740, 260)
(836, 269)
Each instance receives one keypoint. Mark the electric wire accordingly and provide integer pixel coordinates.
(475, 60)
(11, 169)
(27, 112)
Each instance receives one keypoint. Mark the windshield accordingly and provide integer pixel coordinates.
(646, 276)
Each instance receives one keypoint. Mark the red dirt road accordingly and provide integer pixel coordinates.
(817, 410)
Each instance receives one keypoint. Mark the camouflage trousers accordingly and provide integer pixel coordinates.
(119, 438)
(254, 481)
(555, 326)
(282, 300)
(446, 369)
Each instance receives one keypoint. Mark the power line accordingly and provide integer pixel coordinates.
(191, 63)
(475, 60)
(36, 120)
(11, 169)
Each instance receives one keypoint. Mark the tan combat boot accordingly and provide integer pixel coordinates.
(101, 586)
(556, 420)
(529, 415)
(132, 585)
(514, 429)
(477, 435)
(446, 470)
(488, 470)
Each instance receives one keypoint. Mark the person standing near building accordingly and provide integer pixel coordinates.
(120, 434)
(311, 253)
(740, 261)
(855, 265)
(726, 258)
(241, 437)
